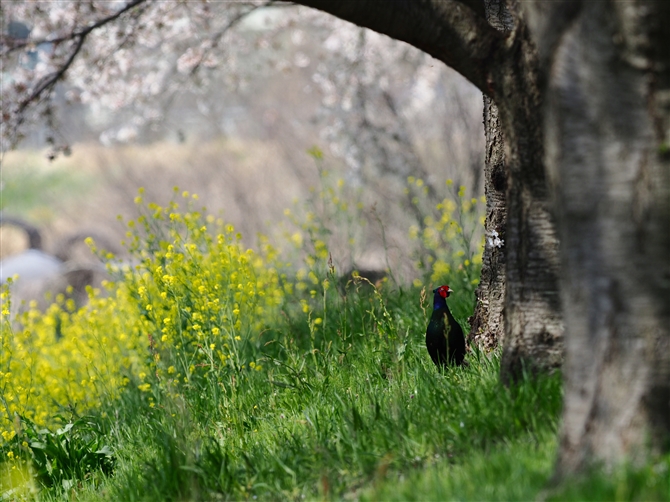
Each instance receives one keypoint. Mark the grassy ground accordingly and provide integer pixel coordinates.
(214, 373)
(357, 411)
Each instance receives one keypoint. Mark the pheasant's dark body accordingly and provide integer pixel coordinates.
(444, 337)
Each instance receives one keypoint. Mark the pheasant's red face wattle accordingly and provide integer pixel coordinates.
(444, 291)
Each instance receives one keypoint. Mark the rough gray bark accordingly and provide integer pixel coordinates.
(487, 326)
(529, 259)
(533, 318)
(606, 66)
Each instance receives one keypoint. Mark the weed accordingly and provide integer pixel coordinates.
(76, 452)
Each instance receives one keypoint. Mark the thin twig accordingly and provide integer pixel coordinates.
(217, 36)
(51, 79)
(75, 34)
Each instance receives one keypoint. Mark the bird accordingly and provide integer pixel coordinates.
(444, 336)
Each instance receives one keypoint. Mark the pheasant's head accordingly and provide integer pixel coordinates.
(443, 291)
(441, 294)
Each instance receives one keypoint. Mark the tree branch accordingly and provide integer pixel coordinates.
(452, 31)
(50, 80)
(75, 34)
(80, 36)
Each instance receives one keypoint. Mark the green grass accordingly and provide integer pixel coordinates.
(347, 412)
(358, 411)
(332, 396)
(515, 470)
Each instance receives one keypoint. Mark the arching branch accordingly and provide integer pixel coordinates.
(454, 32)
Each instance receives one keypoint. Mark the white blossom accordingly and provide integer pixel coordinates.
(494, 240)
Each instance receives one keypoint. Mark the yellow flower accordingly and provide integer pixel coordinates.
(296, 238)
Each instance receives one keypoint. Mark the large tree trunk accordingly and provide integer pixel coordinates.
(607, 69)
(517, 305)
(487, 324)
(533, 319)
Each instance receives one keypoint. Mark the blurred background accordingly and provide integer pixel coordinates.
(301, 117)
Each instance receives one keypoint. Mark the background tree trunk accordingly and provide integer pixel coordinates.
(607, 67)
